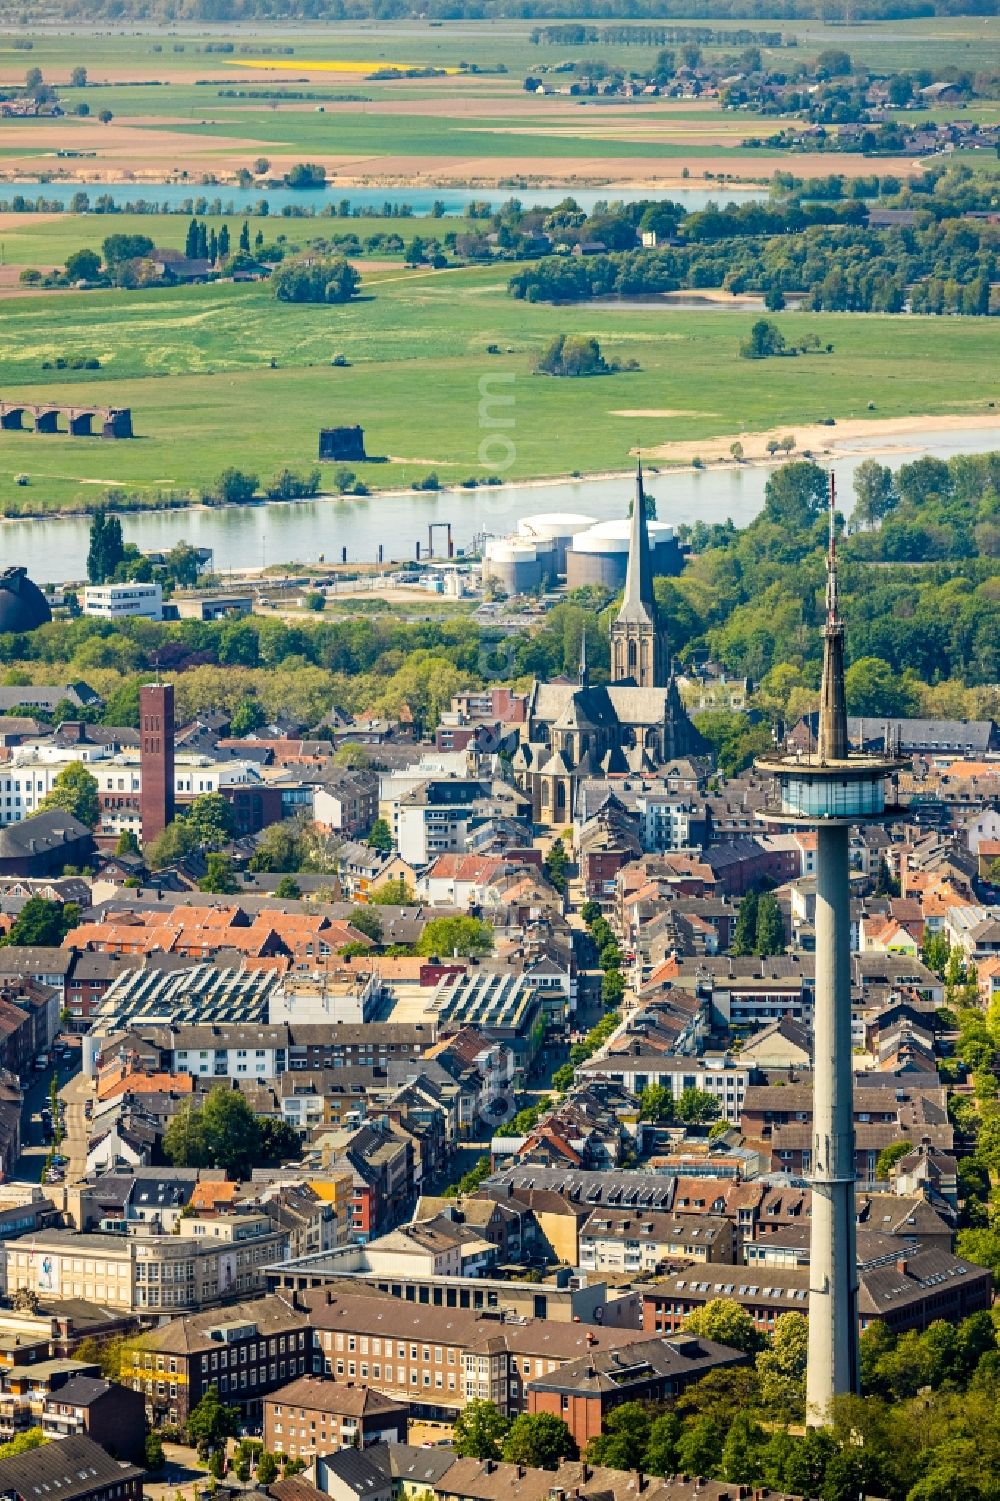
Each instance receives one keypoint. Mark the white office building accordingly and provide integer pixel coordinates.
(115, 601)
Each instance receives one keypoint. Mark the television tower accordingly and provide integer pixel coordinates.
(827, 788)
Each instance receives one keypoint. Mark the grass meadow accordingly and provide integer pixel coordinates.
(225, 375)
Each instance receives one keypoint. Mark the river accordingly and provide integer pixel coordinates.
(169, 197)
(55, 551)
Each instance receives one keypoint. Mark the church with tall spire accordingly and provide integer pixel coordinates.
(633, 726)
(639, 648)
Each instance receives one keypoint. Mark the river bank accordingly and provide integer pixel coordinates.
(852, 436)
(54, 549)
(849, 438)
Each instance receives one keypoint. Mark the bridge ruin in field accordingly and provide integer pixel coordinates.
(112, 422)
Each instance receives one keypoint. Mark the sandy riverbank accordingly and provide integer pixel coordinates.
(854, 435)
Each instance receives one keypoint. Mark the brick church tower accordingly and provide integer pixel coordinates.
(156, 757)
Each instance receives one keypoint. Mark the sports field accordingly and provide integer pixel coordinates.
(226, 375)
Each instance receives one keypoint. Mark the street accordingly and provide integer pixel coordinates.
(34, 1148)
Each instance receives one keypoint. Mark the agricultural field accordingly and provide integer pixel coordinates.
(226, 375)
(175, 107)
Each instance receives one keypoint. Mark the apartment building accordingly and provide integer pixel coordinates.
(626, 1240)
(311, 1416)
(437, 1360)
(247, 1350)
(721, 1076)
(919, 1287)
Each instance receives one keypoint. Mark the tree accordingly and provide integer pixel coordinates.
(234, 488)
(770, 935)
(447, 936)
(75, 791)
(248, 715)
(741, 1453)
(697, 1106)
(556, 862)
(42, 924)
(245, 238)
(727, 1323)
(305, 175)
(875, 690)
(154, 1450)
(480, 1430)
(210, 819)
(656, 1103)
(117, 249)
(319, 280)
(766, 339)
(127, 843)
(107, 548)
(267, 1469)
(395, 893)
(175, 842)
(366, 921)
(699, 1450)
(563, 1077)
(288, 889)
(745, 928)
(876, 495)
(982, 1247)
(105, 116)
(782, 1367)
(31, 1438)
(219, 875)
(572, 355)
(795, 496)
(380, 837)
(612, 989)
(225, 1132)
(888, 1158)
(278, 1141)
(624, 1438)
(211, 1422)
(539, 1440)
(660, 1457)
(83, 265)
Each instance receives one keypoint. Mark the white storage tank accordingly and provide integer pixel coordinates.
(599, 555)
(558, 528)
(514, 564)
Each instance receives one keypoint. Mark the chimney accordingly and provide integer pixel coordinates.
(902, 1262)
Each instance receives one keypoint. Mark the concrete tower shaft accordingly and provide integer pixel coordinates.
(829, 790)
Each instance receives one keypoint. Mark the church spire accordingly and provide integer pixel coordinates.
(638, 647)
(639, 603)
(833, 697)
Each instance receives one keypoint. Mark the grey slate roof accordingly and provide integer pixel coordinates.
(71, 1467)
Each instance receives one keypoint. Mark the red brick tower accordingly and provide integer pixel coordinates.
(156, 757)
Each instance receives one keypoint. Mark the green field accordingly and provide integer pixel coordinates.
(959, 41)
(34, 240)
(195, 365)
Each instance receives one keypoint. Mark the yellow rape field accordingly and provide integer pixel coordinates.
(301, 65)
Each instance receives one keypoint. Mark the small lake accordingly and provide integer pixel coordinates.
(170, 197)
(300, 531)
